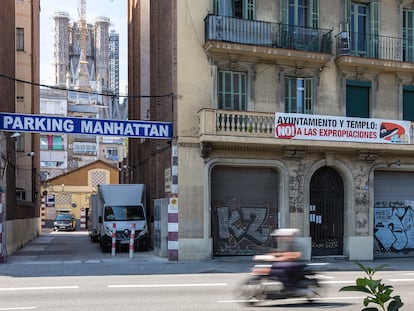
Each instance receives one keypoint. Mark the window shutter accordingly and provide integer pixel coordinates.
(348, 11)
(284, 12)
(357, 98)
(216, 5)
(374, 25)
(374, 19)
(249, 9)
(224, 7)
(314, 11)
(308, 96)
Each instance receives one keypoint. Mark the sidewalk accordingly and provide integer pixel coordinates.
(72, 253)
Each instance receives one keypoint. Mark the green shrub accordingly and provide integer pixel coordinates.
(378, 292)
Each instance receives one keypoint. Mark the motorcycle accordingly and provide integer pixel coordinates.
(262, 285)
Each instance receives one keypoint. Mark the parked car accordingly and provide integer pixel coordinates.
(64, 222)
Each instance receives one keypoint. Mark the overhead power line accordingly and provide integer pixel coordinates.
(86, 92)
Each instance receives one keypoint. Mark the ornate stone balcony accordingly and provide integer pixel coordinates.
(228, 129)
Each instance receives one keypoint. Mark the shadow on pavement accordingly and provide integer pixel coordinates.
(314, 305)
(74, 253)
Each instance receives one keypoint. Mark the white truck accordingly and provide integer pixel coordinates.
(121, 205)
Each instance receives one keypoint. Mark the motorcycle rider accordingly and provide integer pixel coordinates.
(285, 267)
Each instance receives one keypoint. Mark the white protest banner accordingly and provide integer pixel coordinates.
(318, 127)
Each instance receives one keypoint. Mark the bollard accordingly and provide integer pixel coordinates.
(43, 211)
(131, 241)
(113, 239)
(83, 218)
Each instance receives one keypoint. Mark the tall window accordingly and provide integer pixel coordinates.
(298, 12)
(358, 98)
(408, 35)
(302, 13)
(298, 19)
(232, 86)
(363, 19)
(20, 39)
(359, 25)
(237, 8)
(51, 142)
(298, 95)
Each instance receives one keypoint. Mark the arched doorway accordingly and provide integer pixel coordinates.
(326, 212)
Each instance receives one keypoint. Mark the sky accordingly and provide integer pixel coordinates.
(115, 10)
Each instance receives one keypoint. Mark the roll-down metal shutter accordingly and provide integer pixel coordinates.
(244, 202)
(393, 214)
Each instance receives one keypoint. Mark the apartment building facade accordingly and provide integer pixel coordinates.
(20, 183)
(286, 113)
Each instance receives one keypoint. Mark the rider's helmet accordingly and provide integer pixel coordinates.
(285, 232)
(284, 239)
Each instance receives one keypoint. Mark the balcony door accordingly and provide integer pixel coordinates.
(408, 36)
(364, 26)
(236, 8)
(299, 18)
(300, 13)
(359, 26)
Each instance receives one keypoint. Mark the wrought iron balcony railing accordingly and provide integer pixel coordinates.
(243, 31)
(277, 35)
(377, 47)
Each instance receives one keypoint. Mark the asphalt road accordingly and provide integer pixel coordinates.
(66, 271)
(216, 291)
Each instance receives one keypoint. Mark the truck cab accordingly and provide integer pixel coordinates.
(121, 206)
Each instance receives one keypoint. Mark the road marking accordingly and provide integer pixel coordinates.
(166, 285)
(339, 298)
(347, 282)
(336, 282)
(18, 308)
(37, 288)
(294, 299)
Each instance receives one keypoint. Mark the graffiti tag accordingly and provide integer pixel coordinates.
(394, 226)
(243, 223)
(331, 243)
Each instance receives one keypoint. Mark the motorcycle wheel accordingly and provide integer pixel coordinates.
(252, 291)
(313, 289)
